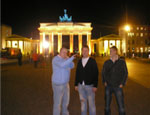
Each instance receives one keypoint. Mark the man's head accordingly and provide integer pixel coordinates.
(85, 51)
(63, 52)
(113, 51)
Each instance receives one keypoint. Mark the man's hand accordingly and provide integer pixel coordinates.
(74, 55)
(76, 88)
(94, 89)
(121, 86)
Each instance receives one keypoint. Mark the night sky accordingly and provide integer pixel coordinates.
(105, 15)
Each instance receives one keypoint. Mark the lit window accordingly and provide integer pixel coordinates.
(130, 34)
(137, 49)
(141, 28)
(111, 43)
(141, 49)
(21, 45)
(14, 44)
(141, 34)
(137, 28)
(105, 46)
(8, 43)
(146, 49)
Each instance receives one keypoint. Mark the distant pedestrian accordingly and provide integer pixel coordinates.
(35, 59)
(114, 76)
(19, 56)
(62, 65)
(86, 81)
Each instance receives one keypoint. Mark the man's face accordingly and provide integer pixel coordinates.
(113, 52)
(85, 52)
(63, 53)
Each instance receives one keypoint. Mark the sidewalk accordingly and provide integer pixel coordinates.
(147, 60)
(5, 61)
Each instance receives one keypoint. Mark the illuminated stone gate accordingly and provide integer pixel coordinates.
(50, 33)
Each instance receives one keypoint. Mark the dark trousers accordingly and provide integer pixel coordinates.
(118, 92)
(19, 61)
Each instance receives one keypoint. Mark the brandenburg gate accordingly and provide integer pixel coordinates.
(50, 31)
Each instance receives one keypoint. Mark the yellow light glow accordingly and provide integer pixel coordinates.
(127, 28)
(80, 43)
(45, 44)
(71, 43)
(14, 44)
(8, 43)
(141, 50)
(106, 46)
(21, 46)
(41, 48)
(59, 41)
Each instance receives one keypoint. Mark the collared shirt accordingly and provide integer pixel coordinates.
(84, 62)
(61, 69)
(117, 57)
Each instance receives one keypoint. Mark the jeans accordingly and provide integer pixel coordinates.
(86, 94)
(119, 98)
(61, 95)
(19, 61)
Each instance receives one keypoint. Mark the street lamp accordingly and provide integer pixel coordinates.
(127, 28)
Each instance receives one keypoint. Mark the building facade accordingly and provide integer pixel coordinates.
(5, 32)
(102, 45)
(135, 40)
(26, 45)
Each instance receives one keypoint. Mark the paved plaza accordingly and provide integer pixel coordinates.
(27, 90)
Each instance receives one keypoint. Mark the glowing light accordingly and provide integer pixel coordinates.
(59, 41)
(14, 44)
(127, 28)
(71, 43)
(106, 46)
(80, 43)
(45, 44)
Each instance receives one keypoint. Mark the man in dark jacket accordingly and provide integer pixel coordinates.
(86, 81)
(114, 76)
(19, 58)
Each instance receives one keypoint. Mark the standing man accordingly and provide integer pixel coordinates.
(35, 58)
(60, 78)
(86, 81)
(19, 58)
(114, 76)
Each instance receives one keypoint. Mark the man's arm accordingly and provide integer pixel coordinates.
(95, 73)
(63, 64)
(125, 73)
(103, 73)
(71, 65)
(77, 75)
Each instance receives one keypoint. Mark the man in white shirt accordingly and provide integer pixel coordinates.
(86, 81)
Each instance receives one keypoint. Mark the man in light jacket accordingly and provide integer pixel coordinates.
(61, 65)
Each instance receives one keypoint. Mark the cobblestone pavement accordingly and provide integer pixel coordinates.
(27, 90)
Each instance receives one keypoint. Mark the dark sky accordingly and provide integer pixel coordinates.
(105, 15)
